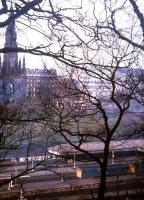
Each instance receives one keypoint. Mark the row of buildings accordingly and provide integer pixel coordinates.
(19, 84)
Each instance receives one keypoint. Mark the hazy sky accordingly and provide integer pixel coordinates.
(28, 36)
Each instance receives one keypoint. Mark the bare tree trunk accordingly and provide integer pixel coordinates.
(102, 186)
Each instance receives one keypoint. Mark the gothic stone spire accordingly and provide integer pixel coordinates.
(10, 60)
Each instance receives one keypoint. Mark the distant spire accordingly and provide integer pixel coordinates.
(0, 60)
(19, 65)
(24, 63)
(11, 8)
(10, 60)
(45, 67)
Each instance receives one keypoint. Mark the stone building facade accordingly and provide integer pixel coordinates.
(18, 83)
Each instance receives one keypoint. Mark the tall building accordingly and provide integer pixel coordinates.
(10, 60)
(11, 84)
(18, 83)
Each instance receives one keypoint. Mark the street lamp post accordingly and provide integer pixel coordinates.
(32, 166)
(74, 161)
(113, 156)
(62, 174)
(62, 177)
(11, 184)
(16, 172)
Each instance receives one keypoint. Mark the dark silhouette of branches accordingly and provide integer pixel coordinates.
(17, 12)
(95, 46)
(139, 14)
